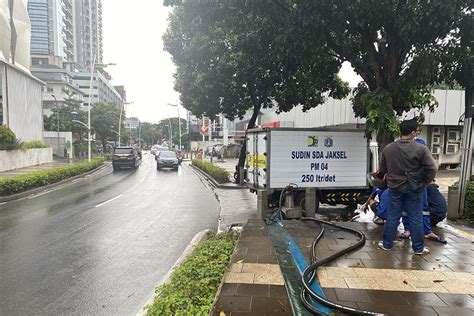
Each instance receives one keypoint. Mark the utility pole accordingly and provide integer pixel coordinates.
(170, 134)
(92, 58)
(139, 135)
(467, 144)
(57, 117)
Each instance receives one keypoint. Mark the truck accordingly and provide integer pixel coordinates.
(334, 162)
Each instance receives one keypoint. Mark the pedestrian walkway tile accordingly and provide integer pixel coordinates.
(397, 280)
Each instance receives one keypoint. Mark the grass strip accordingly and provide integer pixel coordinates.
(217, 173)
(194, 284)
(39, 178)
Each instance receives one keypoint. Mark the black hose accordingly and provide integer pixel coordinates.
(309, 274)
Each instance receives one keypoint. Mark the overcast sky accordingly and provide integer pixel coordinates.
(132, 35)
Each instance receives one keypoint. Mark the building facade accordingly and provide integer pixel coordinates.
(20, 92)
(442, 129)
(132, 123)
(102, 90)
(88, 32)
(59, 86)
(52, 31)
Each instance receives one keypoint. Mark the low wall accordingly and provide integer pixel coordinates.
(14, 159)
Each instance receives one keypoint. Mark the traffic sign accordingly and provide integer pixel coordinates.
(204, 130)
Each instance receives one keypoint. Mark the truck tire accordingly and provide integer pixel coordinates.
(300, 200)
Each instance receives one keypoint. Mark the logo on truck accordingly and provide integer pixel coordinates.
(328, 142)
(312, 141)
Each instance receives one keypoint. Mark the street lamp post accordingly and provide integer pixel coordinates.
(88, 126)
(170, 133)
(57, 117)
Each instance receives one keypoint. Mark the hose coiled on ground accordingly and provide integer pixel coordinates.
(309, 274)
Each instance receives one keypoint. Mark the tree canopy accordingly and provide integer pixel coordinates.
(235, 56)
(397, 47)
(232, 55)
(104, 121)
(230, 58)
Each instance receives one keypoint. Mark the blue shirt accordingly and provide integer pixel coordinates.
(436, 201)
(383, 201)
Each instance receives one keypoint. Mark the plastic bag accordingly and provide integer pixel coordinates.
(364, 217)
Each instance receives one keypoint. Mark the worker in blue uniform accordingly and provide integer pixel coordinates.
(379, 207)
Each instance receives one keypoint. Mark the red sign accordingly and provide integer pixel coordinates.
(271, 124)
(204, 130)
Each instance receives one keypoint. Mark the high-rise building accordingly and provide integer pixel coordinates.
(88, 32)
(52, 31)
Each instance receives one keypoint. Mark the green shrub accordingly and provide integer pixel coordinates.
(34, 144)
(35, 179)
(108, 157)
(8, 140)
(469, 209)
(193, 285)
(219, 174)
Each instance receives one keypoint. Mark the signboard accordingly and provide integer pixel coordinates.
(321, 159)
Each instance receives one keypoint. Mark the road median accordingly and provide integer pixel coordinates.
(193, 284)
(205, 175)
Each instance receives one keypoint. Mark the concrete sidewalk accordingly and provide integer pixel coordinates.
(15, 172)
(396, 282)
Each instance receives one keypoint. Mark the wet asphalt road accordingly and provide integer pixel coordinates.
(101, 244)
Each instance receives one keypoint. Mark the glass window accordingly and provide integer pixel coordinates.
(167, 154)
(123, 150)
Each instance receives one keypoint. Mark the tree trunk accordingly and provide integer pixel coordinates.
(383, 139)
(251, 124)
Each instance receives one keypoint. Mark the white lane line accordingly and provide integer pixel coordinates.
(40, 194)
(3, 203)
(108, 201)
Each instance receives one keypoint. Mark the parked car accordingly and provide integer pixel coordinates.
(128, 157)
(167, 159)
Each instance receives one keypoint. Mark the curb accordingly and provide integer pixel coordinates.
(24, 194)
(189, 249)
(457, 231)
(213, 182)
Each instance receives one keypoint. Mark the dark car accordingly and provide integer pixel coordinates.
(128, 157)
(167, 159)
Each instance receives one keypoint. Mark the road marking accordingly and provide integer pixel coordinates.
(3, 203)
(75, 180)
(108, 201)
(40, 194)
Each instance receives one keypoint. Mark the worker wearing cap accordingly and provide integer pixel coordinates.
(399, 159)
(429, 209)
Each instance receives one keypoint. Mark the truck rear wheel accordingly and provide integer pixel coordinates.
(300, 200)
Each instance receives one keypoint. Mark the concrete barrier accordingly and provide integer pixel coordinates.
(15, 159)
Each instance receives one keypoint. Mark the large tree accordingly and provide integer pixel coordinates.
(64, 114)
(396, 46)
(105, 120)
(236, 56)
